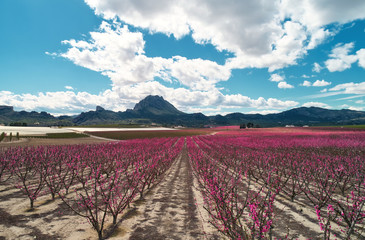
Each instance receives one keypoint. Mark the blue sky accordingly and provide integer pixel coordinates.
(214, 57)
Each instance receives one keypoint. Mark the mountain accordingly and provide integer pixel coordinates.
(9, 116)
(155, 109)
(317, 116)
(156, 106)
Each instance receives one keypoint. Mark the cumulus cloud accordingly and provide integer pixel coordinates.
(284, 85)
(340, 59)
(271, 34)
(276, 78)
(280, 80)
(69, 88)
(321, 83)
(67, 101)
(316, 104)
(243, 101)
(120, 99)
(361, 57)
(118, 53)
(306, 83)
(318, 83)
(317, 13)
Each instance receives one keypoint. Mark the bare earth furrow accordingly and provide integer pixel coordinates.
(170, 211)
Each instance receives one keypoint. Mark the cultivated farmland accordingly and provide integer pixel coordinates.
(237, 184)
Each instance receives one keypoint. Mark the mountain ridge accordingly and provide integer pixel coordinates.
(155, 109)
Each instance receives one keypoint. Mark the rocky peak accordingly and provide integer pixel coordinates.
(99, 109)
(156, 105)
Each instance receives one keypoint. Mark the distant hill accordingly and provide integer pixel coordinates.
(9, 116)
(155, 106)
(155, 109)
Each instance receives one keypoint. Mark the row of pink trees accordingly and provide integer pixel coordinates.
(238, 208)
(95, 181)
(325, 169)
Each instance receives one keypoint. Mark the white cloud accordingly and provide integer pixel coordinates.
(356, 108)
(69, 88)
(243, 101)
(263, 112)
(359, 101)
(352, 97)
(316, 104)
(340, 59)
(120, 98)
(345, 106)
(316, 67)
(324, 90)
(118, 53)
(284, 85)
(350, 88)
(317, 37)
(361, 57)
(321, 83)
(257, 32)
(280, 80)
(66, 101)
(306, 83)
(276, 78)
(318, 83)
(317, 13)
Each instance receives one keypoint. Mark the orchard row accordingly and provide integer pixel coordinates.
(95, 181)
(242, 178)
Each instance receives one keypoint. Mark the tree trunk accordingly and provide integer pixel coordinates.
(115, 219)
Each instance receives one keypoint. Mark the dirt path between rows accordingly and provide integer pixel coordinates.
(170, 210)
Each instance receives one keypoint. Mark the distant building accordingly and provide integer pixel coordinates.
(289, 126)
(305, 126)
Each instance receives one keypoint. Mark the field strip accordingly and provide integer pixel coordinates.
(299, 224)
(169, 210)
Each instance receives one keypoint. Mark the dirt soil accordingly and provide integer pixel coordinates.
(170, 210)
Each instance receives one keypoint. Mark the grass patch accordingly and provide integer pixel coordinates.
(125, 135)
(59, 135)
(355, 126)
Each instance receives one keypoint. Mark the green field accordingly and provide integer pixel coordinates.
(355, 126)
